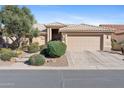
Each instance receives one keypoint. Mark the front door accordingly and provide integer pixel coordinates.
(55, 34)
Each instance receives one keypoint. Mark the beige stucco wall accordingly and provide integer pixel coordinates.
(49, 34)
(107, 42)
(64, 38)
(41, 40)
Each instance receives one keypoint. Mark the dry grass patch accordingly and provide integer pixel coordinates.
(56, 62)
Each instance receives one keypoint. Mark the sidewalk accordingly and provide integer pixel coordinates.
(21, 66)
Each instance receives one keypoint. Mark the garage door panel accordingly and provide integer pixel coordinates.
(78, 43)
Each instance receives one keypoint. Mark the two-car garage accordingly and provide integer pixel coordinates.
(86, 37)
(79, 43)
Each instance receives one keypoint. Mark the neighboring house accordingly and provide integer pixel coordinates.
(41, 39)
(118, 34)
(78, 36)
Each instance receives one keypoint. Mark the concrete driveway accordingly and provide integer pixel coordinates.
(95, 60)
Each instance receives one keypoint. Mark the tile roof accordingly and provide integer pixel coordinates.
(119, 28)
(40, 27)
(55, 24)
(84, 28)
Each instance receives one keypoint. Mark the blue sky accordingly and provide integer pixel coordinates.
(79, 14)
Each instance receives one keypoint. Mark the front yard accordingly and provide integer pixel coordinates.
(49, 55)
(50, 62)
(87, 60)
(52, 55)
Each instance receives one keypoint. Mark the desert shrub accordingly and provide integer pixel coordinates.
(6, 54)
(37, 60)
(24, 47)
(115, 45)
(113, 42)
(18, 52)
(56, 48)
(14, 54)
(121, 43)
(5, 57)
(43, 48)
(7, 50)
(34, 47)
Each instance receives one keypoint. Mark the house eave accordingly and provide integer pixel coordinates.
(85, 31)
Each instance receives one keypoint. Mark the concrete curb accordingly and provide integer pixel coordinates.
(59, 68)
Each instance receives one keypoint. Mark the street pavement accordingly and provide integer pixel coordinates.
(61, 78)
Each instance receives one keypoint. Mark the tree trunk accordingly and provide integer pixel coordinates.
(7, 42)
(15, 44)
(122, 50)
(30, 40)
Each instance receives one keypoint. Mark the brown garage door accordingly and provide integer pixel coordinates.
(79, 43)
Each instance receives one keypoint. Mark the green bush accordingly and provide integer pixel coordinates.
(113, 42)
(121, 42)
(6, 54)
(5, 50)
(116, 45)
(43, 49)
(37, 60)
(9, 51)
(19, 52)
(56, 48)
(5, 57)
(24, 48)
(14, 54)
(34, 47)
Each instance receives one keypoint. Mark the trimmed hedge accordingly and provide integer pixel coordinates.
(37, 60)
(34, 47)
(56, 48)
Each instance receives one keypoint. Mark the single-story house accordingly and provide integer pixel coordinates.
(118, 34)
(76, 36)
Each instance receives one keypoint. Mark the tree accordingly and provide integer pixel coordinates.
(33, 33)
(18, 22)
